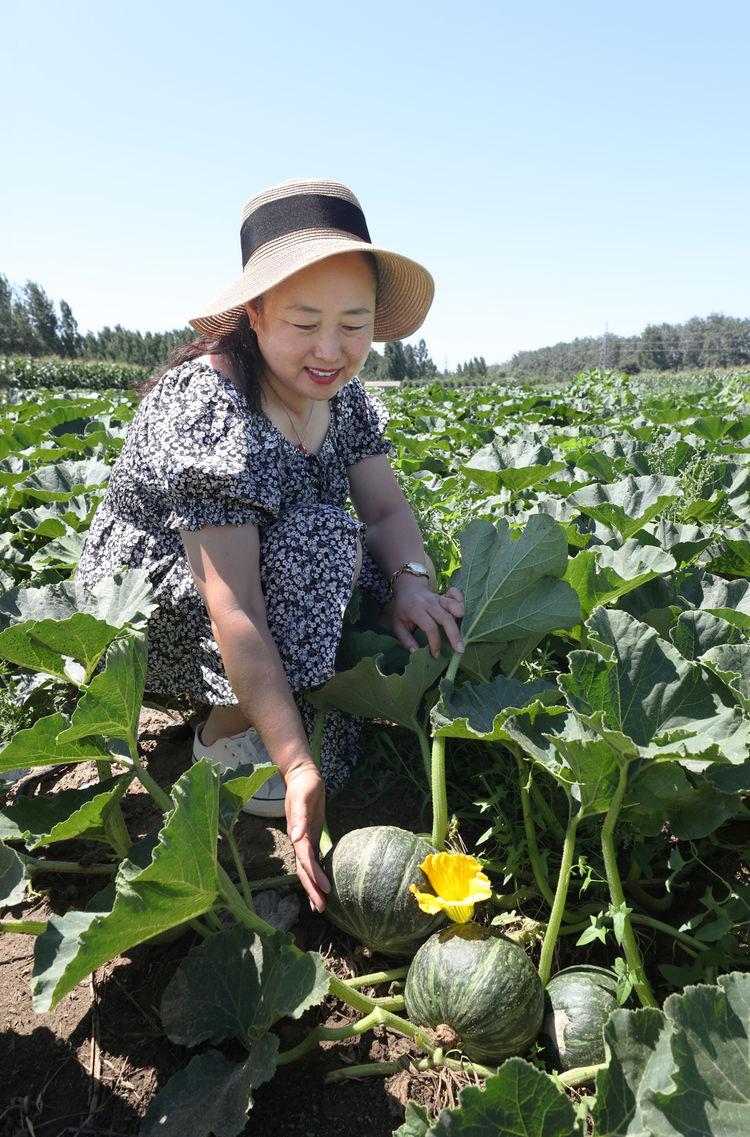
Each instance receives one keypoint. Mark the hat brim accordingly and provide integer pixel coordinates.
(405, 288)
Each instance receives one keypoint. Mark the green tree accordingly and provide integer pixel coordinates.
(71, 341)
(372, 368)
(42, 318)
(395, 361)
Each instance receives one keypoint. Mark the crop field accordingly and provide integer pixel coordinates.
(585, 760)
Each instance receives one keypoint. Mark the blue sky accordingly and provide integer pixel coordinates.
(557, 167)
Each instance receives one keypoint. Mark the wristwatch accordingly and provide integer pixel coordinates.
(414, 568)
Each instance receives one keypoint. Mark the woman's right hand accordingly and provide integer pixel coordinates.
(305, 815)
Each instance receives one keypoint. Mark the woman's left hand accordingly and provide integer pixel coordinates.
(415, 605)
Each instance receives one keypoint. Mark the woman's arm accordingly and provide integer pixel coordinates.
(225, 563)
(393, 538)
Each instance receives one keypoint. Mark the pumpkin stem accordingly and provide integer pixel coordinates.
(537, 867)
(629, 942)
(558, 904)
(437, 774)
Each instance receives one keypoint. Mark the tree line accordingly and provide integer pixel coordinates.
(31, 324)
(699, 343)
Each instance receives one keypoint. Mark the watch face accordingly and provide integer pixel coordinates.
(416, 568)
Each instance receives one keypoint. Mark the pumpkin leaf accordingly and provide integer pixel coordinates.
(627, 505)
(478, 711)
(178, 884)
(63, 480)
(371, 691)
(730, 662)
(111, 703)
(646, 690)
(516, 466)
(238, 983)
(211, 1095)
(518, 1101)
(682, 1071)
(695, 633)
(38, 745)
(512, 587)
(14, 877)
(416, 1122)
(61, 816)
(602, 575)
(45, 645)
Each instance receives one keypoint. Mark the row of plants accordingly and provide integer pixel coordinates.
(21, 373)
(601, 543)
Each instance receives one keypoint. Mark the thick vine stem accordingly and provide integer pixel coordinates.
(537, 867)
(629, 942)
(384, 1069)
(236, 857)
(437, 774)
(558, 906)
(580, 1076)
(374, 978)
(39, 864)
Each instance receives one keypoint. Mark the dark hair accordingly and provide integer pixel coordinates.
(240, 346)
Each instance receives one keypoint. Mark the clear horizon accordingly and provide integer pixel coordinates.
(558, 171)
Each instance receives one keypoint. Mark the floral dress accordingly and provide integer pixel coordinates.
(195, 455)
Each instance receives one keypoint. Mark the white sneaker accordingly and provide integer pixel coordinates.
(231, 752)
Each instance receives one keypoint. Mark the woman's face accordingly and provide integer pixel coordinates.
(315, 329)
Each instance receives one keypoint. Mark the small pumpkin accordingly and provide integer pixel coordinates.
(482, 985)
(579, 1001)
(370, 871)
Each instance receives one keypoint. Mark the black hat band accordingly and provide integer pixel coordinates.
(287, 215)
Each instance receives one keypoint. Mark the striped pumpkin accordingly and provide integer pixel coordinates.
(370, 871)
(480, 984)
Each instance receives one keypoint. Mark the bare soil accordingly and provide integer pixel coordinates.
(93, 1064)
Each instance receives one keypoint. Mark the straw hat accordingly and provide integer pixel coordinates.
(293, 225)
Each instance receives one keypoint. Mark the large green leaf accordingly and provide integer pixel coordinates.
(112, 701)
(124, 598)
(693, 806)
(516, 467)
(638, 1061)
(680, 1072)
(626, 505)
(730, 662)
(370, 691)
(479, 711)
(14, 877)
(238, 984)
(602, 575)
(512, 587)
(41, 745)
(63, 480)
(238, 786)
(518, 1101)
(64, 815)
(46, 645)
(211, 1095)
(711, 1051)
(696, 632)
(178, 884)
(646, 690)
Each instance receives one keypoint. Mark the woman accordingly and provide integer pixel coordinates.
(230, 491)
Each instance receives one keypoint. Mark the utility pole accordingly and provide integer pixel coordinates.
(604, 349)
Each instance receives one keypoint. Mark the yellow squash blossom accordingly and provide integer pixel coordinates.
(459, 883)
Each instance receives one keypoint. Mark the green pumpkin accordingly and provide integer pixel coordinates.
(370, 871)
(579, 1002)
(482, 985)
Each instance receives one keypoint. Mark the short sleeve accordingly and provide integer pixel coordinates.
(212, 458)
(361, 420)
